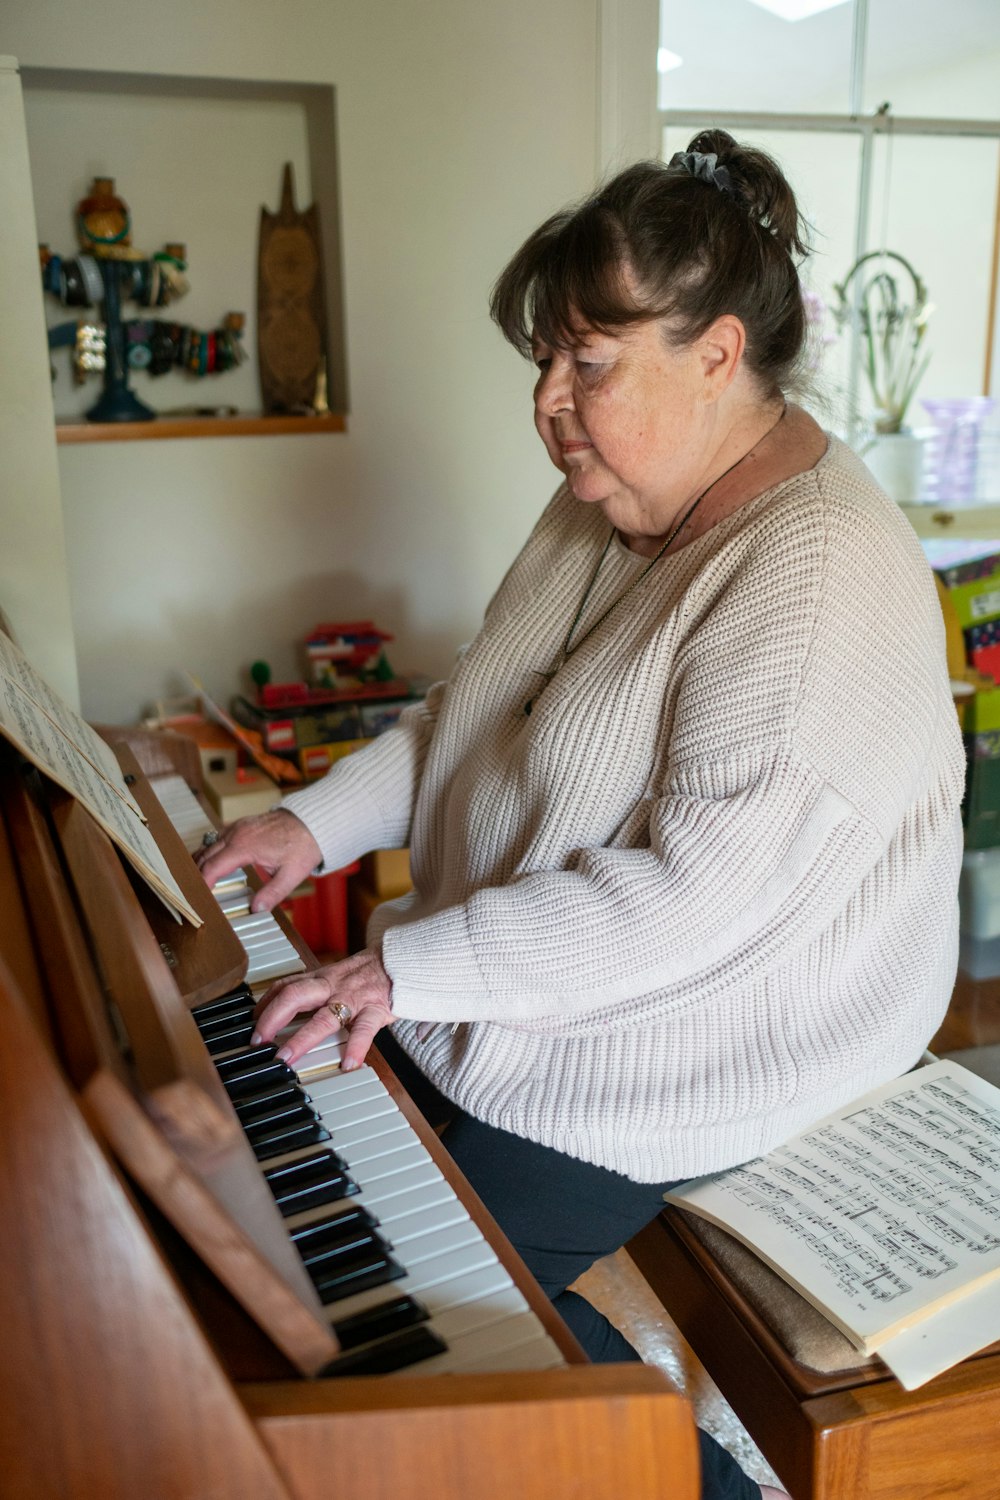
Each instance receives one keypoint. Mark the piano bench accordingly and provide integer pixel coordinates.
(833, 1423)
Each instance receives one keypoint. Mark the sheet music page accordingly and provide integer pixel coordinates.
(15, 665)
(885, 1209)
(33, 732)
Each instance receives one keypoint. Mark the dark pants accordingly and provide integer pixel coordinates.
(561, 1215)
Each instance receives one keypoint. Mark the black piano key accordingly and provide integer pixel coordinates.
(240, 1084)
(238, 1014)
(311, 1182)
(246, 1062)
(251, 1104)
(289, 1138)
(378, 1322)
(241, 995)
(267, 1116)
(373, 1270)
(232, 1037)
(334, 1226)
(395, 1353)
(326, 1260)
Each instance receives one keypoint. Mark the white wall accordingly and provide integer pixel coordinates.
(461, 125)
(33, 590)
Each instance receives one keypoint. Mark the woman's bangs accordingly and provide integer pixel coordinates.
(580, 286)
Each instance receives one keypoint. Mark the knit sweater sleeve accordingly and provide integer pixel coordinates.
(366, 800)
(790, 761)
(748, 858)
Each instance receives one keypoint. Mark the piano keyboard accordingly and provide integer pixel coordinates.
(407, 1279)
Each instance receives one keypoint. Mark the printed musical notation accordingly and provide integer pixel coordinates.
(54, 738)
(881, 1213)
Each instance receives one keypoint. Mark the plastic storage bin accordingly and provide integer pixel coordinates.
(979, 893)
(979, 958)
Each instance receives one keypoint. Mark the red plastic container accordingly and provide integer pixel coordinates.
(319, 913)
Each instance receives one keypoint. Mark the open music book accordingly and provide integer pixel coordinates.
(885, 1216)
(55, 739)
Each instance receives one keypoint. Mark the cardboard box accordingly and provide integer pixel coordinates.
(361, 902)
(978, 600)
(238, 794)
(386, 872)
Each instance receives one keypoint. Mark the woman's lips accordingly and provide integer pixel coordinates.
(577, 446)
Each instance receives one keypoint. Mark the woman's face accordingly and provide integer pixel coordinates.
(624, 417)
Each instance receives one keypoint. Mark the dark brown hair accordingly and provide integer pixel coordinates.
(692, 250)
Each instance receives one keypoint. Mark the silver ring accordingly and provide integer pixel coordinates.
(209, 838)
(339, 1011)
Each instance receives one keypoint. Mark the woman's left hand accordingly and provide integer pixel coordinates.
(360, 983)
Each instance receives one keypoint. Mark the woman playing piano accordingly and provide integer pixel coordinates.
(684, 821)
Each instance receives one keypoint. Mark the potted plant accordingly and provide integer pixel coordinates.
(889, 300)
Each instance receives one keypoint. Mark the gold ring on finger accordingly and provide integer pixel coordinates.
(340, 1012)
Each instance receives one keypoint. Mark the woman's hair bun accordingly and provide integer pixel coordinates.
(759, 185)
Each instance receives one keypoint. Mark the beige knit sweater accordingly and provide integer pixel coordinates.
(706, 892)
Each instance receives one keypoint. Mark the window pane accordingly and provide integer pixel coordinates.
(737, 55)
(949, 241)
(932, 60)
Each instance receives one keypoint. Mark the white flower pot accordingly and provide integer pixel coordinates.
(895, 461)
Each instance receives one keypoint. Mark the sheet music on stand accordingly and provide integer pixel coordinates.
(885, 1215)
(56, 740)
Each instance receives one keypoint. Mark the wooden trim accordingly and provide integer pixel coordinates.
(246, 425)
(589, 1433)
(991, 316)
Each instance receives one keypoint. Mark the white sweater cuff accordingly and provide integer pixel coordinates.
(342, 818)
(433, 968)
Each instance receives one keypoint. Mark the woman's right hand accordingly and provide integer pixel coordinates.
(276, 842)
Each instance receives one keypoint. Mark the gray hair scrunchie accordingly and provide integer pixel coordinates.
(704, 166)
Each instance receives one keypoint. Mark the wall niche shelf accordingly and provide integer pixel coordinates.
(245, 425)
(196, 158)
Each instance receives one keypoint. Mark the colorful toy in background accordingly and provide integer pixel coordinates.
(109, 272)
(970, 594)
(344, 661)
(351, 696)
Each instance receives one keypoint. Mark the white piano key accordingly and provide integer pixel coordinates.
(364, 1143)
(495, 1307)
(466, 1290)
(235, 904)
(463, 1281)
(321, 1059)
(340, 1083)
(431, 1247)
(263, 950)
(378, 1195)
(539, 1353)
(425, 1221)
(275, 968)
(394, 1162)
(336, 1095)
(454, 1263)
(393, 1202)
(500, 1339)
(473, 1302)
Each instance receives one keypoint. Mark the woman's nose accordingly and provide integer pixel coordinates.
(554, 389)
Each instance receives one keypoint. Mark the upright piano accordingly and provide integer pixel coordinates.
(221, 1281)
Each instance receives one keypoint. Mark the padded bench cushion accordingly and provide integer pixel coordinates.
(803, 1331)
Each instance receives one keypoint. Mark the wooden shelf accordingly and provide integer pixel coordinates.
(245, 425)
(966, 522)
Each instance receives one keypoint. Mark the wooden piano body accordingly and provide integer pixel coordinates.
(129, 1369)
